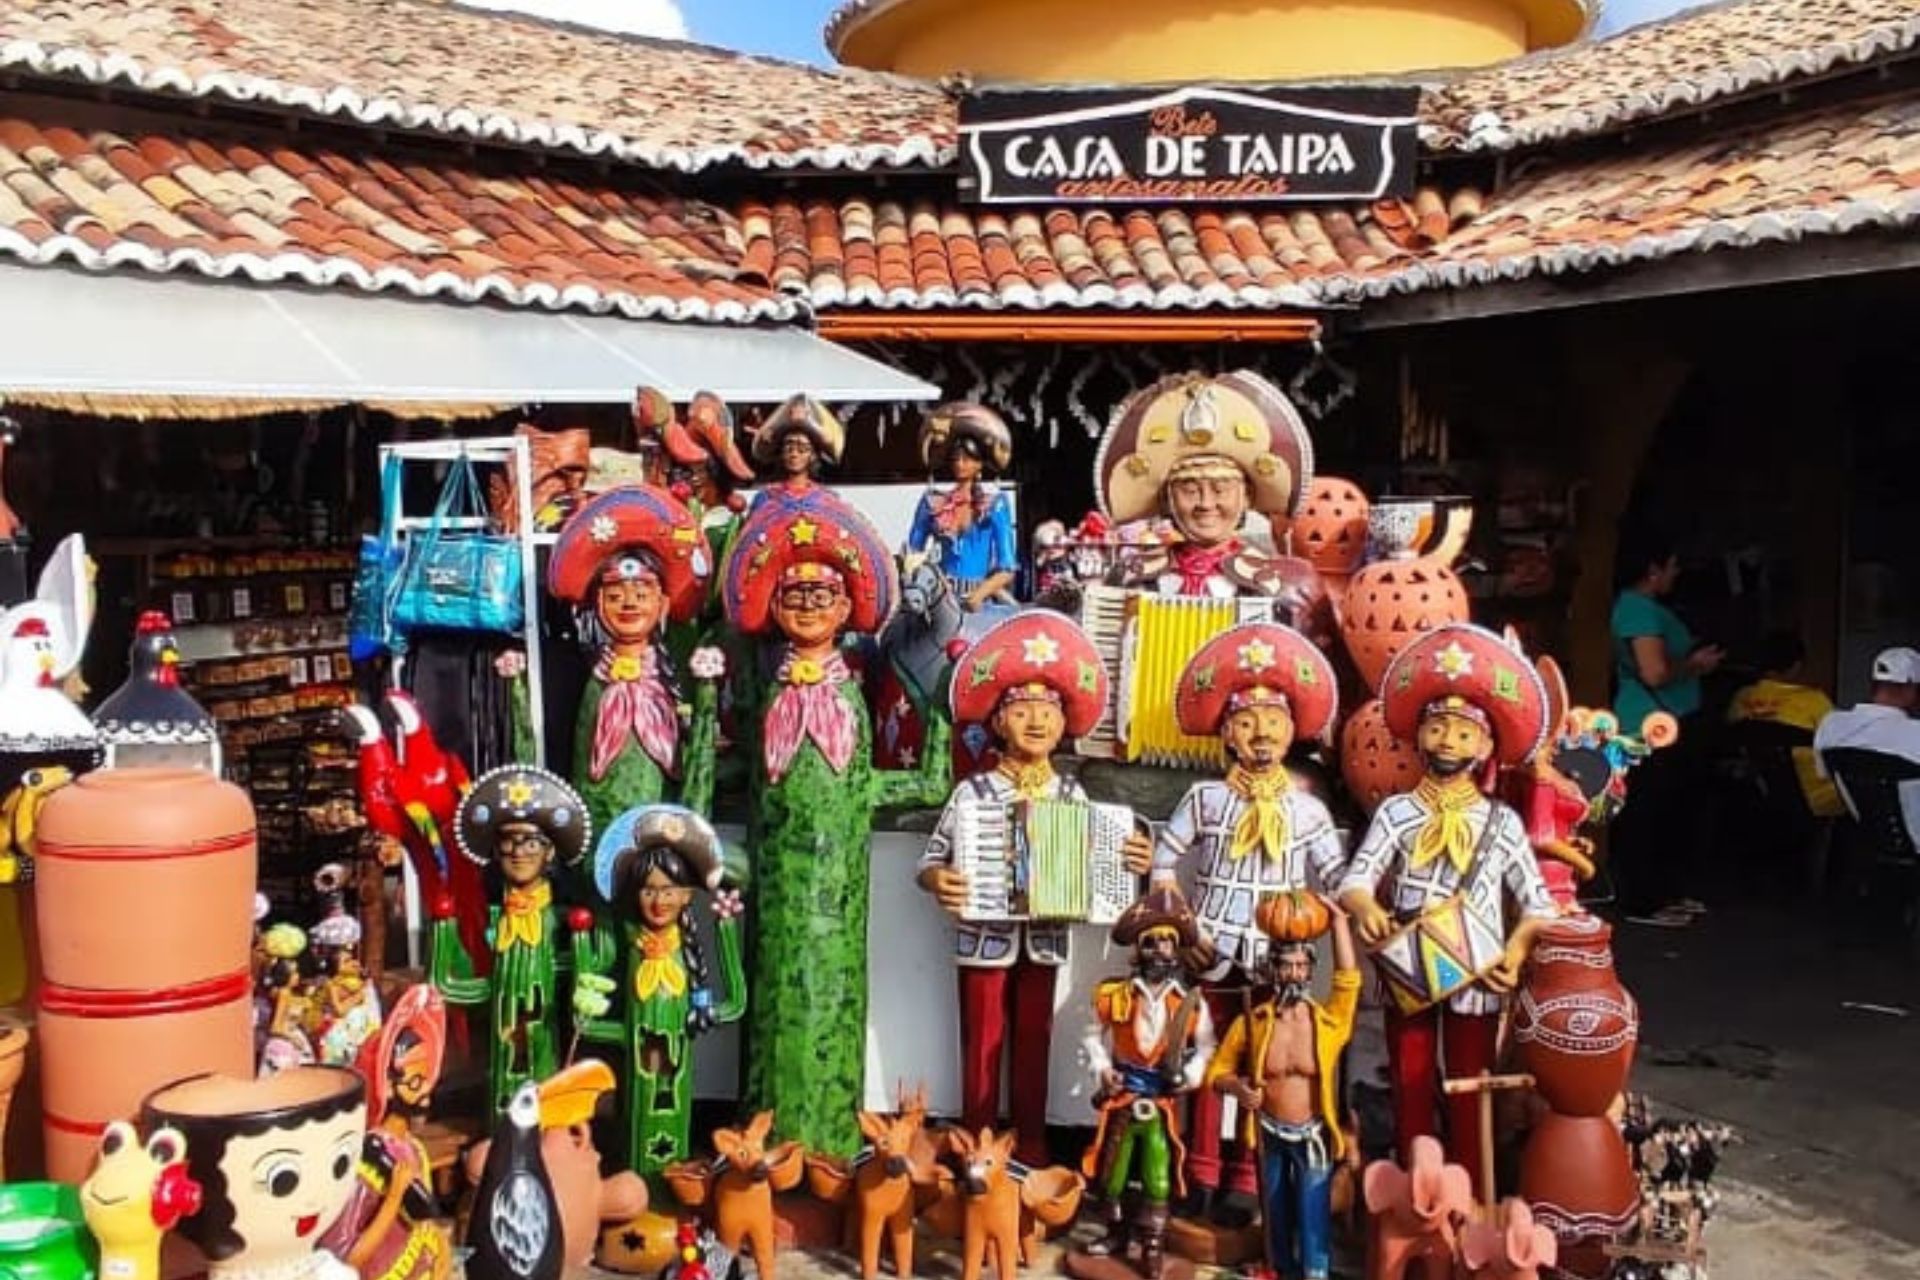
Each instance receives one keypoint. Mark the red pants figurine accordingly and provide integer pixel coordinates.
(1416, 1045)
(997, 1004)
(1207, 1168)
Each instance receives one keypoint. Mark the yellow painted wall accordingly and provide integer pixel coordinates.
(1137, 41)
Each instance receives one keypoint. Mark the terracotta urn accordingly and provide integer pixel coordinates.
(1409, 588)
(1578, 1177)
(276, 1161)
(1374, 763)
(1330, 530)
(13, 1061)
(144, 899)
(1574, 1025)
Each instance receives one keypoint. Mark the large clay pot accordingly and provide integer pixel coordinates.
(13, 1061)
(1578, 1177)
(1410, 587)
(1374, 763)
(1575, 1026)
(1330, 530)
(145, 908)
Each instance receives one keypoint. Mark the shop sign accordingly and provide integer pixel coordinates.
(1197, 143)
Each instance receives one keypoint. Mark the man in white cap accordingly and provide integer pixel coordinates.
(1884, 723)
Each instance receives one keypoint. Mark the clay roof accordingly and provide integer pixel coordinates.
(430, 65)
(1843, 169)
(160, 200)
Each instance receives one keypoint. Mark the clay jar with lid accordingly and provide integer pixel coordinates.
(1574, 1025)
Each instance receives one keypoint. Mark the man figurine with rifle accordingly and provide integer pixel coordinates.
(1151, 1043)
(1281, 1062)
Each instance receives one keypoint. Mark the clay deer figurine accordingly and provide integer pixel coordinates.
(1514, 1248)
(992, 1203)
(1416, 1211)
(737, 1189)
(883, 1191)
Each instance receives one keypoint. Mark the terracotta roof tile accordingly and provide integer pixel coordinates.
(430, 65)
(327, 217)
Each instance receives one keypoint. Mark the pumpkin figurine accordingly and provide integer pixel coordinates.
(1294, 915)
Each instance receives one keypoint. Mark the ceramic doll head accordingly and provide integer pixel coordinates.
(522, 819)
(798, 439)
(1260, 687)
(275, 1159)
(627, 561)
(811, 605)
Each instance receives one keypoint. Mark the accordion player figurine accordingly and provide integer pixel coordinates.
(1019, 849)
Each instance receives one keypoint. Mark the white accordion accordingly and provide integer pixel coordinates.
(1043, 860)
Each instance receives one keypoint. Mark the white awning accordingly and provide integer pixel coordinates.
(74, 332)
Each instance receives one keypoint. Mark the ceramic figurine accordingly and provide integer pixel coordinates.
(1259, 687)
(1031, 680)
(558, 472)
(345, 1012)
(1006, 1207)
(14, 1039)
(882, 1182)
(1281, 1063)
(791, 447)
(514, 1230)
(630, 561)
(703, 467)
(134, 1196)
(966, 525)
(916, 650)
(1203, 452)
(41, 644)
(275, 1160)
(1416, 1213)
(19, 841)
(649, 867)
(566, 1103)
(388, 1231)
(150, 721)
(1152, 1040)
(1431, 884)
(43, 1235)
(806, 570)
(287, 997)
(736, 1190)
(522, 820)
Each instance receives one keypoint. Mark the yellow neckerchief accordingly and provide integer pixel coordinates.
(659, 969)
(1263, 823)
(1448, 830)
(1029, 781)
(524, 918)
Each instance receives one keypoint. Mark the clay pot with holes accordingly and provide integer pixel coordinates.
(1374, 763)
(1330, 531)
(1410, 587)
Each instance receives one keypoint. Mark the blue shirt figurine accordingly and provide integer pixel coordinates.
(966, 523)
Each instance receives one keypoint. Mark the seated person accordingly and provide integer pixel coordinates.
(1780, 696)
(1884, 723)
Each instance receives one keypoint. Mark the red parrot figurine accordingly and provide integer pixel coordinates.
(433, 782)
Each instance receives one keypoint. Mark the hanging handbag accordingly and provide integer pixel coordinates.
(460, 579)
(370, 616)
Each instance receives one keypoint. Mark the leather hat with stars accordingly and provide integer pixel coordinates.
(613, 527)
(1035, 648)
(807, 416)
(1191, 423)
(1471, 671)
(817, 533)
(522, 793)
(1258, 663)
(651, 826)
(1160, 908)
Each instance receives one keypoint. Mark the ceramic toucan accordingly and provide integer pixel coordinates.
(514, 1232)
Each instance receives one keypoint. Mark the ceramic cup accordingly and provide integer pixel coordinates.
(275, 1159)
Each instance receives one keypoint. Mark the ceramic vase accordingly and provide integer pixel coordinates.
(1577, 1175)
(276, 1159)
(1330, 531)
(1374, 763)
(1409, 586)
(1574, 1025)
(144, 899)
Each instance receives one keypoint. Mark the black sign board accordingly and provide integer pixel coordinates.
(1196, 143)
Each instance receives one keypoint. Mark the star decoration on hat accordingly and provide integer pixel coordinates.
(603, 529)
(1040, 650)
(1256, 655)
(1089, 676)
(1453, 662)
(520, 792)
(1305, 672)
(803, 533)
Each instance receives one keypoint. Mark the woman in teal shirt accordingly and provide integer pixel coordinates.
(1658, 667)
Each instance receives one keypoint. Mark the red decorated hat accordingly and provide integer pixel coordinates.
(816, 534)
(1037, 647)
(1470, 670)
(1251, 665)
(620, 523)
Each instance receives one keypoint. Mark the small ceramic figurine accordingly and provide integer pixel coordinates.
(134, 1196)
(275, 1160)
(704, 468)
(650, 865)
(1203, 452)
(19, 841)
(806, 570)
(1006, 1206)
(514, 1230)
(521, 820)
(388, 1231)
(791, 447)
(1281, 1063)
(1430, 886)
(966, 525)
(1032, 679)
(629, 562)
(1260, 687)
(41, 644)
(737, 1190)
(1152, 1039)
(150, 721)
(882, 1182)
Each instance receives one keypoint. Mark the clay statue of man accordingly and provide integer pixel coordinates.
(1444, 867)
(1281, 1062)
(1236, 841)
(1032, 679)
